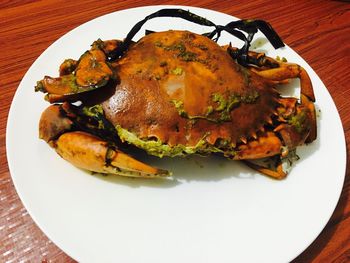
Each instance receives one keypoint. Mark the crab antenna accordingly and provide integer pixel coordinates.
(172, 12)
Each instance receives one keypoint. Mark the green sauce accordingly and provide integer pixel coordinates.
(182, 53)
(177, 71)
(226, 105)
(298, 121)
(158, 148)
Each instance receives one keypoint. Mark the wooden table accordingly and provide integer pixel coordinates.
(318, 30)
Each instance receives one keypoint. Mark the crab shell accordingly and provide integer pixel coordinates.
(180, 93)
(175, 86)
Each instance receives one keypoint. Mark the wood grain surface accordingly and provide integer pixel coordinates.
(319, 30)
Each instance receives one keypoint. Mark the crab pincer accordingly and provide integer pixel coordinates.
(88, 151)
(91, 153)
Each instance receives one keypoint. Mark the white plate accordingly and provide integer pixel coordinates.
(214, 211)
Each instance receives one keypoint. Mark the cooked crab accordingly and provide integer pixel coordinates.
(176, 93)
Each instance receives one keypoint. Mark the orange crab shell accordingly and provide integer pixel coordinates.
(174, 86)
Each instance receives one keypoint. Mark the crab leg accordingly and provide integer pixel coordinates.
(264, 156)
(297, 121)
(288, 71)
(307, 103)
(275, 70)
(89, 73)
(277, 173)
(268, 153)
(264, 147)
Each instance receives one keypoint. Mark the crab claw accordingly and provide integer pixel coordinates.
(87, 151)
(91, 153)
(77, 77)
(52, 124)
(287, 71)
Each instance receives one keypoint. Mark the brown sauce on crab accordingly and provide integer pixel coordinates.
(180, 87)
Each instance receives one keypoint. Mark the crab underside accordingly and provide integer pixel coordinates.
(176, 93)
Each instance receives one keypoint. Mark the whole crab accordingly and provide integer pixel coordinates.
(176, 93)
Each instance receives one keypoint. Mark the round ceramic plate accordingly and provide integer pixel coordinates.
(213, 210)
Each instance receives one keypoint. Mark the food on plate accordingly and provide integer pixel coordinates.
(176, 93)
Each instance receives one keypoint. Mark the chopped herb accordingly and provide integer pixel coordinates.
(210, 110)
(298, 121)
(177, 71)
(70, 81)
(201, 46)
(93, 111)
(40, 87)
(187, 56)
(174, 47)
(225, 105)
(158, 44)
(283, 59)
(219, 99)
(179, 105)
(98, 44)
(183, 54)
